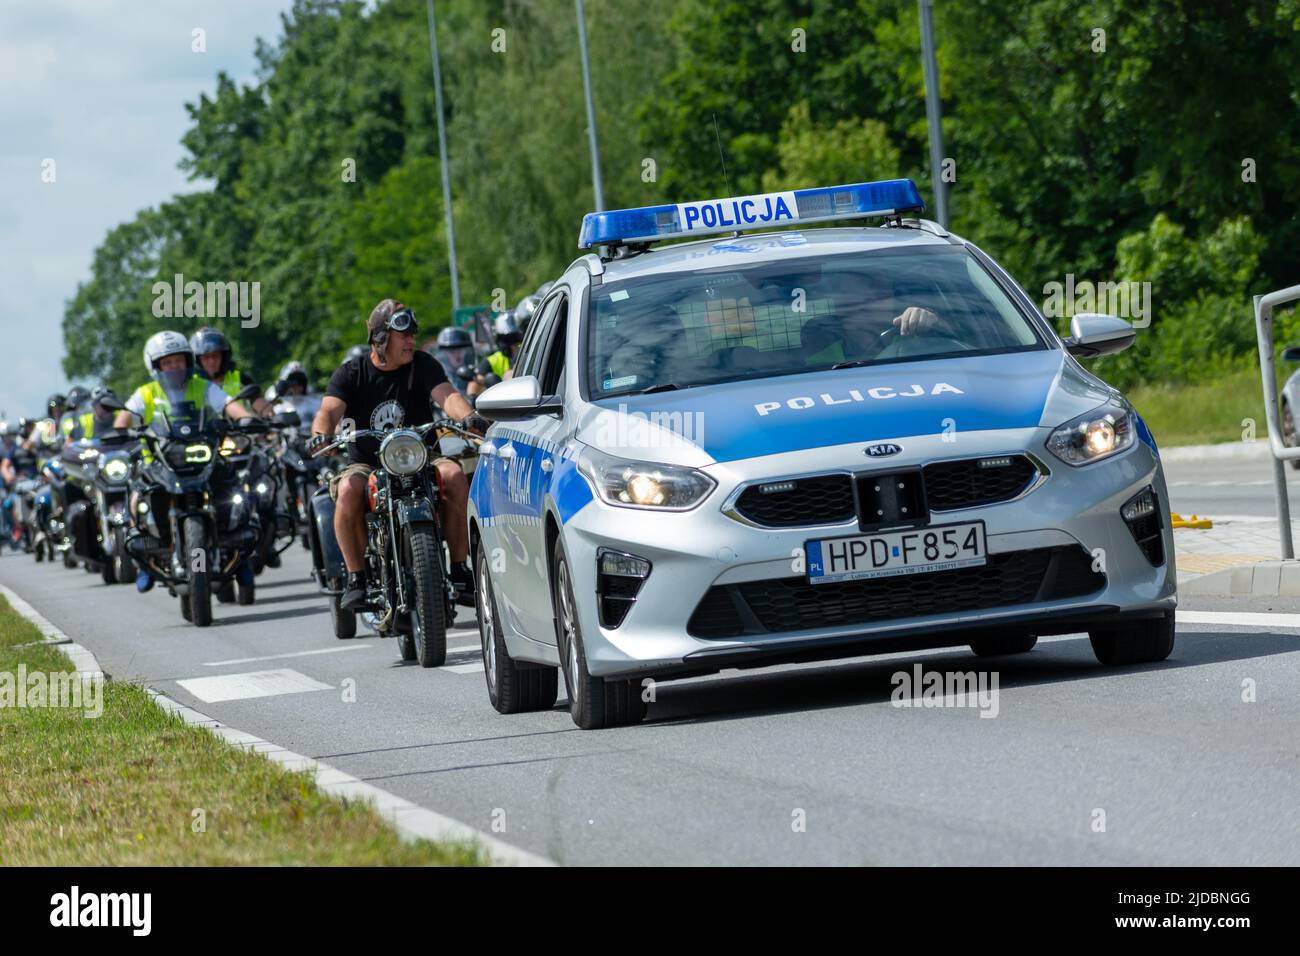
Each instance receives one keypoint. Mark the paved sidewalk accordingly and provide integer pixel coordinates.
(1237, 556)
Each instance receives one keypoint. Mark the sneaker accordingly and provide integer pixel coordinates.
(144, 582)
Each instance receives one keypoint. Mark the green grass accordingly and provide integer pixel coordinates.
(1204, 413)
(121, 789)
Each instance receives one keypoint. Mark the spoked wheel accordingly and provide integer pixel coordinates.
(511, 689)
(200, 596)
(422, 554)
(593, 702)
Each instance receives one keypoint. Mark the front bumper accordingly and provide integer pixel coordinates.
(692, 552)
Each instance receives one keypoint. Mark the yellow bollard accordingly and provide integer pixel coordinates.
(1178, 521)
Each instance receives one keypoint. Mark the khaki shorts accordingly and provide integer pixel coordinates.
(363, 470)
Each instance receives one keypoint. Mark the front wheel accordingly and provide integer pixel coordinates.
(123, 564)
(1142, 642)
(511, 689)
(593, 702)
(423, 556)
(108, 571)
(200, 596)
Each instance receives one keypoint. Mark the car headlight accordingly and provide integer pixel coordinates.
(403, 453)
(1098, 434)
(115, 470)
(641, 484)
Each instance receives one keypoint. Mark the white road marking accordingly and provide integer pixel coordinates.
(1239, 618)
(277, 657)
(253, 684)
(475, 667)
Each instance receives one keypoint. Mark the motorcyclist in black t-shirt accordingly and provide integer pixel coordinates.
(391, 386)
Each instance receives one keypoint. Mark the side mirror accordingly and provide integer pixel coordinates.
(247, 393)
(112, 402)
(1291, 353)
(290, 419)
(514, 399)
(1093, 334)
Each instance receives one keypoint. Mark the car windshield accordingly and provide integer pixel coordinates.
(797, 315)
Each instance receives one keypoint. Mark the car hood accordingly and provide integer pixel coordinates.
(767, 416)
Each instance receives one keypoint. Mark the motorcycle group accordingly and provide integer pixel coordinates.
(200, 480)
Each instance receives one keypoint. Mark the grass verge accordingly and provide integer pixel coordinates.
(124, 788)
(1204, 413)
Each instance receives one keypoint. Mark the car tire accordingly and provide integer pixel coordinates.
(594, 703)
(1289, 436)
(997, 645)
(1142, 642)
(511, 689)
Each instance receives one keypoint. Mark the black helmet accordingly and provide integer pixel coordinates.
(55, 403)
(77, 396)
(454, 338)
(506, 330)
(357, 351)
(100, 393)
(208, 340)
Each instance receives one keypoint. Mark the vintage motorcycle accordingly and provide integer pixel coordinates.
(406, 562)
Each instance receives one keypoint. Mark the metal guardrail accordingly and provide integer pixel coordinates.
(1264, 306)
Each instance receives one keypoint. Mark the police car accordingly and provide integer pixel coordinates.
(786, 444)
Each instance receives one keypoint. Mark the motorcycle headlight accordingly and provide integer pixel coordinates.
(1100, 433)
(403, 453)
(115, 470)
(228, 447)
(640, 484)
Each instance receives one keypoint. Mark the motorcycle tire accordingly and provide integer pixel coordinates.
(125, 565)
(246, 595)
(200, 596)
(422, 555)
(345, 622)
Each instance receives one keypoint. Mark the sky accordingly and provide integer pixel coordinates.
(99, 87)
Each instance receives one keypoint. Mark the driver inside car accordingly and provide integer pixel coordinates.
(391, 386)
(867, 311)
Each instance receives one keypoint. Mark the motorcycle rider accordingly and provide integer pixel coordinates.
(213, 354)
(98, 419)
(454, 348)
(45, 438)
(78, 395)
(392, 386)
(170, 361)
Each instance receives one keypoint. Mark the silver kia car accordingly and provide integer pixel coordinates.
(783, 444)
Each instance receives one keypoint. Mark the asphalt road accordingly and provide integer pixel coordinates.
(726, 768)
(1227, 487)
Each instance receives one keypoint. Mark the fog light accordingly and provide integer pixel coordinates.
(619, 577)
(1142, 515)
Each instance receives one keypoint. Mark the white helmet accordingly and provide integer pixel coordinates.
(163, 344)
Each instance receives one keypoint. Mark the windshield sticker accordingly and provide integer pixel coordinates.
(612, 383)
(618, 295)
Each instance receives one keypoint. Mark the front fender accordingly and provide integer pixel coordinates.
(330, 558)
(413, 511)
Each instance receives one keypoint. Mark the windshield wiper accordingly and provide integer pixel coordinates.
(856, 363)
(662, 387)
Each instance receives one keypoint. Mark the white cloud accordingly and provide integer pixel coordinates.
(99, 86)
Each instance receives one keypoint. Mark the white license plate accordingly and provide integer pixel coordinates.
(861, 556)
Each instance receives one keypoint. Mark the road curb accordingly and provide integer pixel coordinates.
(1262, 579)
(410, 820)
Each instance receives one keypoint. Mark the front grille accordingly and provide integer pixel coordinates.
(976, 481)
(824, 499)
(792, 604)
(829, 499)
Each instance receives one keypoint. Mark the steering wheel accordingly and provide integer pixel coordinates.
(899, 345)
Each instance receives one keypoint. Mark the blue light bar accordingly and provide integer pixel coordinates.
(738, 213)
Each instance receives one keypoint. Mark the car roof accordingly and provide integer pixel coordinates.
(730, 252)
